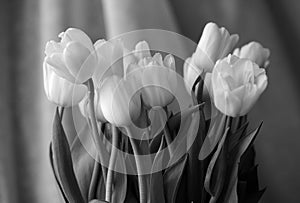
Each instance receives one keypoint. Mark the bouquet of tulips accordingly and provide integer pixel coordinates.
(147, 133)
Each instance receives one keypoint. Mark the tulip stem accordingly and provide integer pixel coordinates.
(112, 162)
(141, 180)
(95, 132)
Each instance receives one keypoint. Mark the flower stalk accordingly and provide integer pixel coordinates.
(112, 161)
(141, 179)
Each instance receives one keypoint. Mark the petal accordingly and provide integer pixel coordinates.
(157, 59)
(202, 61)
(250, 98)
(190, 74)
(229, 45)
(169, 62)
(53, 47)
(79, 61)
(210, 40)
(157, 89)
(262, 82)
(128, 58)
(98, 110)
(142, 50)
(61, 91)
(77, 35)
(256, 53)
(57, 62)
(116, 102)
(228, 103)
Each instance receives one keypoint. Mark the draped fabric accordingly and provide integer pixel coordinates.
(26, 116)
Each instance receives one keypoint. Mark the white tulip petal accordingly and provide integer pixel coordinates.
(202, 61)
(79, 61)
(157, 59)
(157, 89)
(142, 50)
(255, 52)
(77, 35)
(60, 91)
(57, 62)
(53, 47)
(190, 74)
(169, 62)
(116, 103)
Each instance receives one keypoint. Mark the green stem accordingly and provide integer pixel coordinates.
(141, 180)
(95, 132)
(112, 161)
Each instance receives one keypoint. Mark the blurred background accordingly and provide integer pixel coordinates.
(26, 115)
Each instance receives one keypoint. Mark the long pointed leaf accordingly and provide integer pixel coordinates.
(172, 178)
(55, 173)
(63, 162)
(245, 142)
(213, 136)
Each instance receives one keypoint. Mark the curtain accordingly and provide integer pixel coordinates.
(26, 116)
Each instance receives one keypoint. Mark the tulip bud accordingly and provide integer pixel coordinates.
(236, 85)
(255, 52)
(73, 58)
(59, 90)
(215, 43)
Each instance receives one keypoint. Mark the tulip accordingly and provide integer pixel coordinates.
(59, 90)
(73, 58)
(119, 102)
(255, 52)
(215, 43)
(236, 85)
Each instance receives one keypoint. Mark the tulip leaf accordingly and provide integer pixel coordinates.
(86, 168)
(216, 170)
(55, 174)
(236, 136)
(63, 161)
(175, 120)
(196, 168)
(238, 151)
(172, 178)
(213, 136)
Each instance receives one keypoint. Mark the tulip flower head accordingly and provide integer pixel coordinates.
(236, 85)
(255, 52)
(215, 43)
(73, 58)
